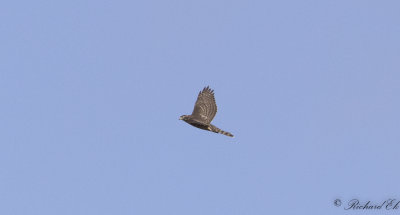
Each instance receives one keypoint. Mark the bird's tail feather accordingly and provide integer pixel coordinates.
(217, 130)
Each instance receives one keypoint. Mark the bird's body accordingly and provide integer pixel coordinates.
(204, 112)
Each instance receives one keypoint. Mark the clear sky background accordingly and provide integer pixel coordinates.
(91, 93)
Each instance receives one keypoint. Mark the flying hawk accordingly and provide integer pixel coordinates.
(204, 112)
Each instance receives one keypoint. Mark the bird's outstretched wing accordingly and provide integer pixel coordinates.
(205, 107)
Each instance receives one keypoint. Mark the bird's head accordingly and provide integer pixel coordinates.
(182, 117)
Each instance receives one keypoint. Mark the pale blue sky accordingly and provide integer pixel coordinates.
(91, 93)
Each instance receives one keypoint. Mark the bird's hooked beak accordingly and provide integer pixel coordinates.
(180, 118)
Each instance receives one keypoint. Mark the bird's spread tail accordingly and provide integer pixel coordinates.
(217, 130)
